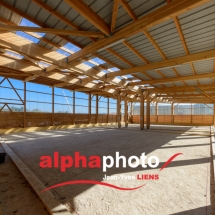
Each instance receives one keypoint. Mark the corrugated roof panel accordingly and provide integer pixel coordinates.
(154, 74)
(178, 83)
(206, 66)
(142, 76)
(167, 85)
(126, 53)
(205, 81)
(144, 7)
(198, 27)
(184, 70)
(113, 59)
(169, 73)
(191, 82)
(195, 12)
(167, 38)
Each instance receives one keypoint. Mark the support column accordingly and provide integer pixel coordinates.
(172, 113)
(119, 110)
(89, 108)
(24, 111)
(97, 108)
(148, 113)
(73, 107)
(156, 112)
(214, 113)
(108, 109)
(52, 106)
(142, 111)
(126, 112)
(191, 113)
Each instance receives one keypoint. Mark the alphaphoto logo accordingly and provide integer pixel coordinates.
(105, 162)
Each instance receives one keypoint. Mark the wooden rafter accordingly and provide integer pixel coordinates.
(175, 8)
(150, 38)
(208, 87)
(52, 31)
(56, 13)
(169, 80)
(127, 7)
(119, 56)
(114, 15)
(167, 63)
(135, 52)
(82, 8)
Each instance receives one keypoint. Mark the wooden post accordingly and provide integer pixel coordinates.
(24, 113)
(89, 108)
(191, 113)
(73, 107)
(97, 108)
(156, 112)
(108, 109)
(126, 111)
(119, 110)
(172, 113)
(52, 106)
(214, 113)
(148, 113)
(142, 111)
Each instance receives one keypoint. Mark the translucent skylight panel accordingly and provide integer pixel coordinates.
(98, 61)
(114, 69)
(14, 54)
(72, 47)
(44, 64)
(67, 54)
(28, 23)
(27, 36)
(89, 64)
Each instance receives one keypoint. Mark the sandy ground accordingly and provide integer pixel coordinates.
(16, 197)
(183, 187)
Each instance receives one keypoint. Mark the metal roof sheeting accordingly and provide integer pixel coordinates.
(198, 26)
(206, 66)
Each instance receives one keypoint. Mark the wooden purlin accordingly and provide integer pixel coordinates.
(169, 80)
(114, 15)
(166, 63)
(162, 14)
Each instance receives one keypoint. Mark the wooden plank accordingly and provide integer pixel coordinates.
(150, 38)
(127, 7)
(114, 15)
(135, 52)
